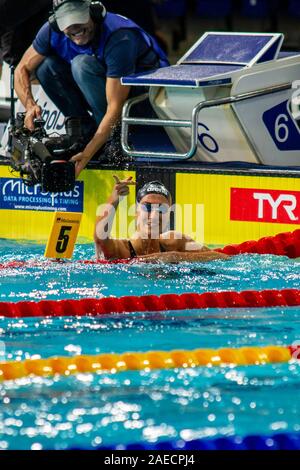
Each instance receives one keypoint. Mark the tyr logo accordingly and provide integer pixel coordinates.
(287, 201)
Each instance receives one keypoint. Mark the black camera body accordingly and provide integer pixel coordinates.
(42, 158)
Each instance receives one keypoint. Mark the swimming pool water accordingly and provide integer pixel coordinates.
(135, 406)
(51, 280)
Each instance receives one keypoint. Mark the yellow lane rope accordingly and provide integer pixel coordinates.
(143, 361)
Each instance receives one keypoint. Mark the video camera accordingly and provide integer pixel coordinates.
(42, 158)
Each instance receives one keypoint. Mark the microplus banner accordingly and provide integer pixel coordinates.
(15, 195)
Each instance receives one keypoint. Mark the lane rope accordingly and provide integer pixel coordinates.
(282, 244)
(151, 303)
(150, 360)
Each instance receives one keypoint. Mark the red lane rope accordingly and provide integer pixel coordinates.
(151, 303)
(15, 264)
(283, 244)
(30, 264)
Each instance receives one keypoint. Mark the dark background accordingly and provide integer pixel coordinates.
(176, 23)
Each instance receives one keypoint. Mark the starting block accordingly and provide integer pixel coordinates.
(231, 98)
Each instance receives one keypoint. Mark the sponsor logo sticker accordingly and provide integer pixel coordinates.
(265, 205)
(15, 195)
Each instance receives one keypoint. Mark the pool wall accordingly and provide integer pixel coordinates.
(215, 205)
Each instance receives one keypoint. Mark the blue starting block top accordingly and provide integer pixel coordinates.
(185, 75)
(212, 60)
(233, 48)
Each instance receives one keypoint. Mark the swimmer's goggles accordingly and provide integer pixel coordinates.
(148, 207)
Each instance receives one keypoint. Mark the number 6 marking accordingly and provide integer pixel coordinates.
(281, 128)
(208, 137)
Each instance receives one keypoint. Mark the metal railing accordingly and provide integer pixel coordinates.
(192, 124)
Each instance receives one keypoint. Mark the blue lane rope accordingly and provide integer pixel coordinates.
(280, 441)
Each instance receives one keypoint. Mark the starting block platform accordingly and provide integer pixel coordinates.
(229, 98)
(185, 76)
(213, 59)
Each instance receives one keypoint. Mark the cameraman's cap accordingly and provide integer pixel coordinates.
(69, 13)
(153, 187)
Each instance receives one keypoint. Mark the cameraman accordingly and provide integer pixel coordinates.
(79, 56)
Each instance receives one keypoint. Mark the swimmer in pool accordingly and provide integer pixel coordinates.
(152, 241)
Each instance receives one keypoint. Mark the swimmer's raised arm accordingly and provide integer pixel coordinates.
(105, 216)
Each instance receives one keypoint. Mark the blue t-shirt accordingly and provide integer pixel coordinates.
(124, 49)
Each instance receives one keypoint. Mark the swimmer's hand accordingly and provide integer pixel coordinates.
(121, 187)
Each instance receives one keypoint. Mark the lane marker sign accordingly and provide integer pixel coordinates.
(63, 235)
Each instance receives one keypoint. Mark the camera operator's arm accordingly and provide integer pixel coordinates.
(104, 219)
(28, 64)
(116, 95)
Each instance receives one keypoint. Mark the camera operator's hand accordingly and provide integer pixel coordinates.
(81, 160)
(32, 113)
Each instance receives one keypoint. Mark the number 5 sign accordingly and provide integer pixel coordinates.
(63, 235)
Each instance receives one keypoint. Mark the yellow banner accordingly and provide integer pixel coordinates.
(212, 208)
(205, 206)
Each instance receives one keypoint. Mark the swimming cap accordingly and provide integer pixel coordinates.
(153, 187)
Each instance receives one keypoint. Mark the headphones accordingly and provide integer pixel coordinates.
(97, 11)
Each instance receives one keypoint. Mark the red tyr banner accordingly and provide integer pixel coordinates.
(265, 205)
